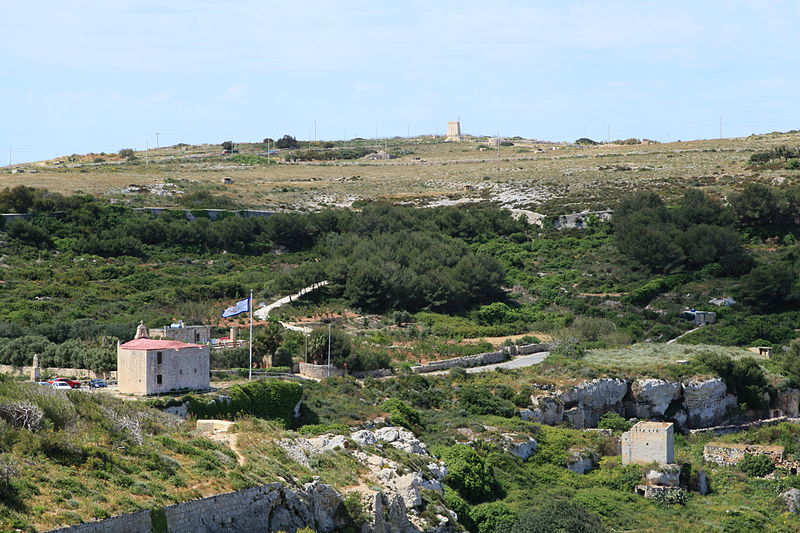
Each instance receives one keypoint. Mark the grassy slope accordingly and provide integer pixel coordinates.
(556, 180)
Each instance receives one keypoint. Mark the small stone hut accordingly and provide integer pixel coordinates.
(152, 366)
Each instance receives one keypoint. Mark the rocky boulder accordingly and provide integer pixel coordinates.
(665, 476)
(652, 397)
(545, 409)
(788, 401)
(582, 461)
(706, 402)
(792, 499)
(596, 394)
(522, 449)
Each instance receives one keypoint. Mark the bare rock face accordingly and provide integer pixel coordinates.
(589, 400)
(706, 402)
(596, 394)
(545, 409)
(788, 401)
(665, 476)
(652, 397)
(792, 499)
(582, 461)
(522, 449)
(322, 502)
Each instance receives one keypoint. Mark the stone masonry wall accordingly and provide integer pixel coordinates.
(319, 371)
(271, 507)
(56, 372)
(138, 522)
(479, 359)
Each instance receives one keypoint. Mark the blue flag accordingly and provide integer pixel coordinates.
(242, 306)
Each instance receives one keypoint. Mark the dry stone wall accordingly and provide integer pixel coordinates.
(81, 373)
(271, 507)
(480, 359)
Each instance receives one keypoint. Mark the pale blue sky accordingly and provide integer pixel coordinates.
(81, 75)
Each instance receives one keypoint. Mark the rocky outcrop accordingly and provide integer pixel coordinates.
(398, 504)
(582, 461)
(693, 404)
(545, 409)
(706, 402)
(522, 449)
(651, 397)
(788, 401)
(792, 500)
(664, 476)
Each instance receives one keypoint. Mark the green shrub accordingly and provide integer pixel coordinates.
(401, 413)
(270, 399)
(482, 400)
(457, 504)
(671, 496)
(469, 474)
(559, 516)
(756, 465)
(492, 517)
(614, 422)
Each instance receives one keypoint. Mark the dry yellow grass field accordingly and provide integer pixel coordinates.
(547, 178)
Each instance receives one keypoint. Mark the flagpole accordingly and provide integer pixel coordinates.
(250, 307)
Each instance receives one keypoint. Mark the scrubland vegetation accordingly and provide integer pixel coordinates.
(409, 285)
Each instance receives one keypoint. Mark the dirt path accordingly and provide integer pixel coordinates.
(497, 341)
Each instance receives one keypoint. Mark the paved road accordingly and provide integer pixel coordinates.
(520, 361)
(262, 313)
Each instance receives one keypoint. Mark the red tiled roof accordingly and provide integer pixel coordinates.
(156, 344)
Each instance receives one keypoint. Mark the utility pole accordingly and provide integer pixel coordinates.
(329, 349)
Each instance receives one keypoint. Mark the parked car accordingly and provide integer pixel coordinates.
(97, 383)
(61, 385)
(72, 383)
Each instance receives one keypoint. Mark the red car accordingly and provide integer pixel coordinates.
(71, 383)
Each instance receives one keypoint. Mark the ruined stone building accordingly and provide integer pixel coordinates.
(152, 366)
(648, 442)
(180, 332)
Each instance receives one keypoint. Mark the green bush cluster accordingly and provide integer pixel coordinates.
(486, 400)
(270, 399)
(756, 465)
(401, 413)
(469, 474)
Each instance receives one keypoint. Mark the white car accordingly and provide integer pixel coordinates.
(61, 385)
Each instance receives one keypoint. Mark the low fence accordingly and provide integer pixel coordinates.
(480, 359)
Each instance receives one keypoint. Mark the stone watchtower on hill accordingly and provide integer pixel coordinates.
(453, 131)
(648, 442)
(153, 366)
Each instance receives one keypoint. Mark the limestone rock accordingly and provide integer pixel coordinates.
(523, 449)
(592, 399)
(545, 409)
(582, 461)
(707, 402)
(596, 394)
(665, 476)
(408, 486)
(323, 502)
(652, 396)
(328, 442)
(364, 437)
(792, 499)
(788, 401)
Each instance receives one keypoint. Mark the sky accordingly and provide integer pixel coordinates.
(97, 76)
